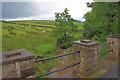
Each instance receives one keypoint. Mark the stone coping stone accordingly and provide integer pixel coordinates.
(114, 36)
(15, 55)
(87, 43)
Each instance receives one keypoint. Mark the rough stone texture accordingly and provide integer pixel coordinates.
(115, 46)
(15, 55)
(17, 64)
(27, 72)
(76, 57)
(88, 57)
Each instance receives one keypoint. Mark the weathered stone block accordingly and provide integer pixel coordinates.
(27, 72)
(8, 68)
(76, 47)
(89, 60)
(88, 54)
(115, 46)
(17, 64)
(88, 72)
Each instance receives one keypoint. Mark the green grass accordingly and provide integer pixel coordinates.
(45, 47)
(36, 39)
(103, 51)
(41, 22)
(80, 25)
(79, 34)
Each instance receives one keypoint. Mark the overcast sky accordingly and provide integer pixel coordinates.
(42, 9)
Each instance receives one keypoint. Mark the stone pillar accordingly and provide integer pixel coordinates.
(89, 59)
(17, 64)
(115, 46)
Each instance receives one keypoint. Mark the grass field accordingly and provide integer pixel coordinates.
(35, 36)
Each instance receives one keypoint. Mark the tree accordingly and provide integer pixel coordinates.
(64, 28)
(102, 20)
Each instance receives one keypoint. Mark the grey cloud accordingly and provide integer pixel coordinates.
(25, 9)
(17, 9)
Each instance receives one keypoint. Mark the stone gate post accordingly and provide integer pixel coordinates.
(89, 60)
(115, 46)
(17, 64)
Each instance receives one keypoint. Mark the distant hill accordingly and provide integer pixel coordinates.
(37, 23)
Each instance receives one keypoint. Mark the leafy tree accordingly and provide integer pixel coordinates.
(102, 20)
(65, 28)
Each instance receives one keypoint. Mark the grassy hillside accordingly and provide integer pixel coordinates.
(35, 36)
(26, 36)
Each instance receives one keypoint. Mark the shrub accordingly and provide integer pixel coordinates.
(101, 37)
(65, 43)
